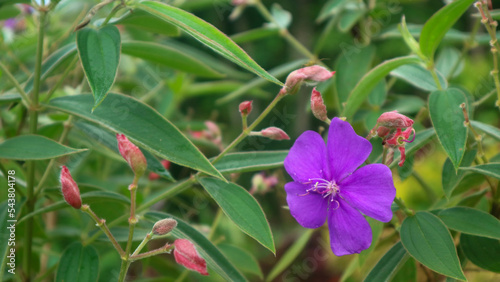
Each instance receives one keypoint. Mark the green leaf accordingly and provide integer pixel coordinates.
(9, 98)
(251, 161)
(330, 8)
(448, 60)
(436, 27)
(242, 259)
(482, 251)
(370, 80)
(206, 34)
(169, 56)
(389, 264)
(34, 147)
(353, 65)
(471, 221)
(450, 177)
(53, 63)
(241, 208)
(486, 128)
(379, 94)
(145, 21)
(428, 240)
(9, 11)
(291, 254)
(100, 54)
(490, 169)
(448, 120)
(78, 263)
(108, 140)
(419, 77)
(215, 259)
(282, 17)
(473, 199)
(407, 272)
(254, 34)
(349, 17)
(141, 124)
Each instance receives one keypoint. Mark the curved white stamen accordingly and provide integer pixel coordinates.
(327, 189)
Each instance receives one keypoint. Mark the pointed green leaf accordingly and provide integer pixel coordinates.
(78, 263)
(490, 169)
(241, 208)
(141, 124)
(471, 221)
(428, 240)
(389, 264)
(34, 147)
(99, 52)
(206, 34)
(448, 60)
(482, 251)
(419, 77)
(242, 259)
(170, 57)
(488, 129)
(437, 26)
(448, 120)
(251, 161)
(370, 80)
(450, 177)
(215, 259)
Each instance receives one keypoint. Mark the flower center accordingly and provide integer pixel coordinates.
(328, 189)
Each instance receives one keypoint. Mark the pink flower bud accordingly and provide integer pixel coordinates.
(246, 107)
(383, 131)
(69, 189)
(261, 183)
(318, 106)
(274, 133)
(164, 226)
(311, 75)
(394, 120)
(186, 255)
(132, 154)
(154, 176)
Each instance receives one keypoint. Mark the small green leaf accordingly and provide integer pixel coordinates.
(100, 54)
(436, 27)
(78, 263)
(448, 60)
(370, 80)
(486, 128)
(251, 161)
(450, 177)
(282, 17)
(170, 57)
(490, 169)
(34, 147)
(241, 208)
(448, 120)
(389, 264)
(215, 259)
(242, 259)
(482, 251)
(419, 77)
(206, 34)
(351, 15)
(290, 255)
(428, 240)
(143, 125)
(473, 199)
(471, 221)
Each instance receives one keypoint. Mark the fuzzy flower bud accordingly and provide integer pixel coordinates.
(164, 226)
(274, 133)
(261, 183)
(318, 106)
(69, 189)
(311, 75)
(186, 255)
(132, 154)
(245, 107)
(394, 120)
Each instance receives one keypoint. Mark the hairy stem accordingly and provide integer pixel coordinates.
(19, 88)
(104, 228)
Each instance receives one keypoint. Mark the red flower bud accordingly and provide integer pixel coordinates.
(185, 254)
(274, 133)
(154, 176)
(246, 107)
(69, 189)
(132, 154)
(164, 226)
(311, 75)
(383, 131)
(318, 106)
(394, 120)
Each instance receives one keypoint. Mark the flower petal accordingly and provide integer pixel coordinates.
(346, 150)
(349, 231)
(308, 209)
(306, 158)
(371, 190)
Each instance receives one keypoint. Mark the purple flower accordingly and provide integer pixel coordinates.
(328, 186)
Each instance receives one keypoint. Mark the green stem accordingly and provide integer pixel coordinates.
(104, 228)
(61, 80)
(143, 243)
(33, 122)
(112, 13)
(19, 88)
(384, 155)
(436, 78)
(403, 207)
(123, 270)
(155, 252)
(484, 98)
(132, 222)
(183, 276)
(217, 219)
